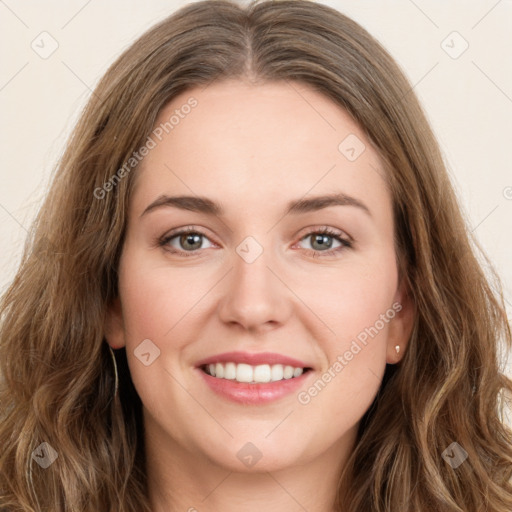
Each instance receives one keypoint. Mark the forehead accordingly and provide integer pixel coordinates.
(258, 143)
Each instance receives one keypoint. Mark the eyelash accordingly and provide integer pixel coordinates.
(345, 244)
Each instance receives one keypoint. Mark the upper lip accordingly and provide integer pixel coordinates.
(253, 359)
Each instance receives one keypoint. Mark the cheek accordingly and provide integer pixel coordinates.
(352, 298)
(156, 298)
(357, 307)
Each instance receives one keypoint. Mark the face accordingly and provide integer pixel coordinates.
(254, 273)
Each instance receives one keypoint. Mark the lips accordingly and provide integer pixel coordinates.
(253, 359)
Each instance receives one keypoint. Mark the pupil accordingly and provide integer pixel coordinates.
(190, 238)
(325, 241)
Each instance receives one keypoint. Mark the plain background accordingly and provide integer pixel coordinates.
(467, 96)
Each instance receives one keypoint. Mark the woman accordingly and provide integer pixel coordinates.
(170, 343)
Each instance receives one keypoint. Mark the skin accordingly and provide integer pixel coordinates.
(255, 148)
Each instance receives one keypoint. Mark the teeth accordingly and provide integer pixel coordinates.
(297, 372)
(230, 371)
(246, 373)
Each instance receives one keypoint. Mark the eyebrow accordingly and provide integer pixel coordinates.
(300, 206)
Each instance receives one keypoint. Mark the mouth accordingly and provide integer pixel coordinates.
(253, 378)
(253, 374)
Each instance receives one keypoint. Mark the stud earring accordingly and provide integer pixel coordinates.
(397, 348)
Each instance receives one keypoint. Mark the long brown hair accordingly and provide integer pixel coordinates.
(57, 376)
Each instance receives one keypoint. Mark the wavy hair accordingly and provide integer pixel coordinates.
(57, 377)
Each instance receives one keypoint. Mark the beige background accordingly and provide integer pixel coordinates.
(468, 97)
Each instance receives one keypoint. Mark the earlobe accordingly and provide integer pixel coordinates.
(114, 325)
(401, 325)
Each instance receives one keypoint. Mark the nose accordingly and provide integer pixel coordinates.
(254, 297)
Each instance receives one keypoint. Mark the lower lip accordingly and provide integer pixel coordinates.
(254, 393)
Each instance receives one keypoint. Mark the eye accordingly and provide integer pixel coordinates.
(322, 241)
(184, 242)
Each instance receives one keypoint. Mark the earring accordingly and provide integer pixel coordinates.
(397, 348)
(115, 370)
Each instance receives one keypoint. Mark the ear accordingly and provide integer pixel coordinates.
(114, 325)
(401, 325)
